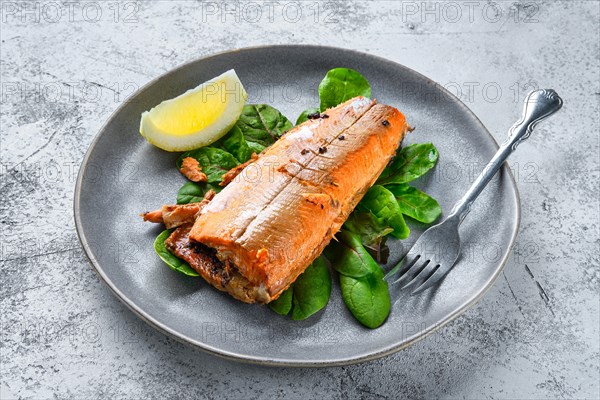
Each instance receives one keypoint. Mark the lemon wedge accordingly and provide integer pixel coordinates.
(198, 117)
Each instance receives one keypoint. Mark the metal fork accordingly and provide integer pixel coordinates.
(436, 251)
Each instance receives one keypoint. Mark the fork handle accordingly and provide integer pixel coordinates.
(539, 105)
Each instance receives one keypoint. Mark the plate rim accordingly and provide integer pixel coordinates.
(271, 361)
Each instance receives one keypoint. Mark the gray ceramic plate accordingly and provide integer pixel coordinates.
(122, 175)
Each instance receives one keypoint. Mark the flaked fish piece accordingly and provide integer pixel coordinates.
(230, 175)
(272, 223)
(174, 215)
(191, 169)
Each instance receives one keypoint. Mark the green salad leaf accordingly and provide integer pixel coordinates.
(304, 115)
(382, 203)
(364, 290)
(369, 227)
(415, 203)
(175, 263)
(308, 294)
(410, 163)
(368, 298)
(373, 233)
(262, 125)
(192, 192)
(311, 290)
(349, 257)
(340, 85)
(283, 304)
(235, 143)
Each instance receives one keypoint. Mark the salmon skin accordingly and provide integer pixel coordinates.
(274, 219)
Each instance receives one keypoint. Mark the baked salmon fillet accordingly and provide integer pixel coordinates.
(271, 222)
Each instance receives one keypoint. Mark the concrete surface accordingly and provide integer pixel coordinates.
(66, 66)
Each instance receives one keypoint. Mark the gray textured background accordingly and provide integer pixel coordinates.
(65, 68)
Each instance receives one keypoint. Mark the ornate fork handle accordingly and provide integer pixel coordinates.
(539, 105)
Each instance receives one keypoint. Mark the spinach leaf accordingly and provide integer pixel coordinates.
(367, 298)
(416, 204)
(341, 84)
(175, 263)
(379, 250)
(382, 203)
(308, 294)
(235, 143)
(361, 279)
(410, 163)
(349, 257)
(311, 290)
(304, 115)
(192, 192)
(372, 231)
(370, 228)
(262, 125)
(214, 162)
(283, 304)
